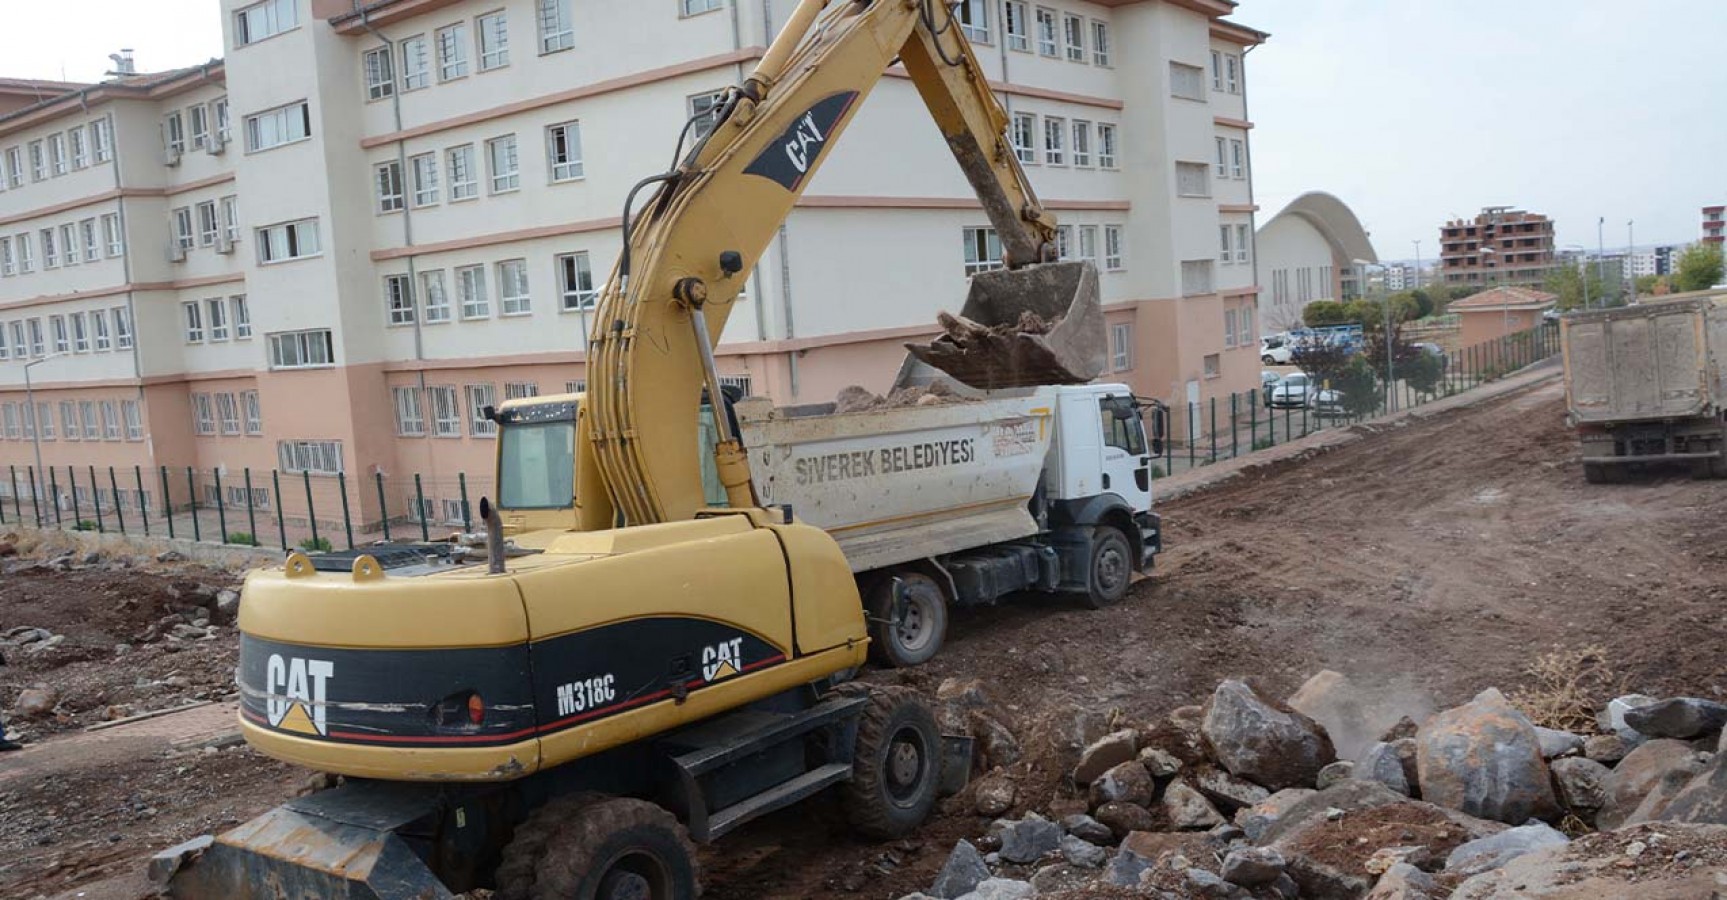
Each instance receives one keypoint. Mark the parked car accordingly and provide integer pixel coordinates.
(1291, 392)
(1276, 350)
(1435, 350)
(1267, 381)
(1327, 402)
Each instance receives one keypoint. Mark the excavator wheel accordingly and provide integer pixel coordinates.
(588, 847)
(897, 762)
(907, 629)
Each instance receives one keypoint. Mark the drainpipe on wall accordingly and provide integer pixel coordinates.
(1252, 217)
(131, 298)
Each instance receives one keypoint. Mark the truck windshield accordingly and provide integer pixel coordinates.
(537, 466)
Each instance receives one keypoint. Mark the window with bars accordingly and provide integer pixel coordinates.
(446, 411)
(1100, 43)
(1017, 26)
(494, 41)
(1082, 143)
(39, 348)
(1112, 250)
(453, 52)
(62, 343)
(471, 288)
(242, 317)
(1025, 137)
(1073, 37)
(399, 299)
(104, 338)
(203, 415)
(974, 20)
(464, 181)
(45, 418)
(228, 413)
(80, 333)
(1088, 242)
(557, 27)
(1047, 34)
(520, 390)
(57, 154)
(410, 416)
(198, 116)
(1225, 253)
(101, 140)
(314, 457)
(704, 110)
(80, 147)
(92, 245)
(379, 72)
(133, 417)
(1106, 145)
(207, 224)
(564, 151)
(69, 243)
(253, 411)
(1121, 347)
(1243, 242)
(435, 296)
(505, 167)
(575, 282)
(111, 235)
(424, 170)
(1237, 159)
(69, 420)
(1055, 140)
(416, 63)
(218, 318)
(389, 181)
(479, 397)
(513, 296)
(1222, 158)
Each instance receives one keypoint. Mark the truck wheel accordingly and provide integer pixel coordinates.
(589, 848)
(912, 633)
(1111, 567)
(1602, 473)
(896, 763)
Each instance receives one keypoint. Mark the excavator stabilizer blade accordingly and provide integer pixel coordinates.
(1022, 328)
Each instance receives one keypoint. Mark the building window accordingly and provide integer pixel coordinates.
(131, 414)
(290, 240)
(38, 347)
(388, 178)
(481, 396)
(19, 347)
(9, 416)
(1192, 179)
(982, 250)
(1186, 82)
(38, 162)
(14, 168)
(1121, 347)
(302, 349)
(1232, 73)
(199, 117)
(974, 20)
(704, 111)
(1225, 253)
(242, 317)
(1216, 71)
(578, 386)
(464, 181)
(1229, 337)
(1054, 140)
(92, 246)
(471, 288)
(69, 243)
(564, 151)
(1197, 277)
(1243, 241)
(1064, 242)
(224, 126)
(1017, 26)
(436, 298)
(87, 414)
(1088, 242)
(1082, 143)
(122, 329)
(8, 263)
(1100, 43)
(697, 7)
(101, 144)
(416, 63)
(50, 250)
(1046, 33)
(203, 415)
(5, 352)
(263, 20)
(111, 235)
(557, 29)
(575, 282)
(425, 173)
(184, 239)
(98, 330)
(315, 457)
(1073, 37)
(80, 333)
(513, 297)
(80, 147)
(26, 263)
(228, 412)
(410, 417)
(57, 153)
(1105, 146)
(69, 419)
(380, 73)
(1112, 256)
(1213, 365)
(1222, 158)
(192, 316)
(505, 167)
(520, 390)
(399, 299)
(174, 134)
(446, 411)
(1237, 159)
(62, 343)
(230, 220)
(275, 127)
(453, 52)
(1025, 137)
(494, 41)
(208, 227)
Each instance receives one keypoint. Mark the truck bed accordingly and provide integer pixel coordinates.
(1651, 361)
(894, 485)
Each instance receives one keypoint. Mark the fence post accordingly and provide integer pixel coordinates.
(311, 510)
(143, 507)
(347, 518)
(119, 508)
(167, 501)
(420, 501)
(1192, 436)
(192, 499)
(35, 494)
(72, 485)
(281, 523)
(17, 510)
(251, 508)
(462, 483)
(96, 498)
(221, 505)
(383, 506)
(1234, 413)
(1253, 422)
(1214, 428)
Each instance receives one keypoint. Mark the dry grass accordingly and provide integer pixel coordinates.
(1567, 687)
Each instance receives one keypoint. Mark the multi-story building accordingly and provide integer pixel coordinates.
(1654, 261)
(1308, 252)
(330, 251)
(1501, 245)
(1714, 224)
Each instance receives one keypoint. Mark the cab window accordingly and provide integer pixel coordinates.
(1122, 427)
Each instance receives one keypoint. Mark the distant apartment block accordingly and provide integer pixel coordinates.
(1501, 245)
(1714, 224)
(330, 251)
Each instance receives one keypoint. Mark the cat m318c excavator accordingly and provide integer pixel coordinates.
(635, 669)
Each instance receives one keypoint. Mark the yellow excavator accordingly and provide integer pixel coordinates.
(629, 668)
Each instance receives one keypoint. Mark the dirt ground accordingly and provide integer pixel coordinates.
(1436, 558)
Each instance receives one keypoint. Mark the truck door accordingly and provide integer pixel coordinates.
(1126, 457)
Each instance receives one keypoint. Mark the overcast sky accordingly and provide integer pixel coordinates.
(1411, 111)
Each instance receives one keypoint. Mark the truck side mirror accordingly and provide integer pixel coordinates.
(1159, 427)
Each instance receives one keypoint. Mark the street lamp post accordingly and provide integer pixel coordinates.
(1601, 257)
(1582, 271)
(1384, 324)
(37, 487)
(1417, 265)
(1505, 304)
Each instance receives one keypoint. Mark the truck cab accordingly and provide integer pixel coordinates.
(1098, 468)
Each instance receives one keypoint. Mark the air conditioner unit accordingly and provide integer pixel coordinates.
(224, 244)
(217, 144)
(171, 156)
(176, 253)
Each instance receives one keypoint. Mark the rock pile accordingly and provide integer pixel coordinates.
(1245, 798)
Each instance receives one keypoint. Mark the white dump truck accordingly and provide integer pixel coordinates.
(1648, 384)
(963, 503)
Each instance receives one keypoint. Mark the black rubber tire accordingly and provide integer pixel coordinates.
(1602, 473)
(1268, 360)
(896, 764)
(1111, 567)
(585, 847)
(919, 633)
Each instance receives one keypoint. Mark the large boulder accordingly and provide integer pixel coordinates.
(1704, 800)
(1029, 839)
(1255, 820)
(1667, 788)
(1635, 776)
(1080, 852)
(1104, 754)
(1683, 718)
(1228, 792)
(1405, 882)
(1556, 743)
(1088, 829)
(1611, 719)
(994, 794)
(1128, 782)
(1253, 866)
(1582, 784)
(1188, 809)
(1671, 861)
(1496, 850)
(1123, 819)
(1383, 762)
(1265, 742)
(961, 874)
(1484, 759)
(36, 702)
(1338, 839)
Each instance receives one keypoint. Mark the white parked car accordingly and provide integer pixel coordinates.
(1328, 402)
(1275, 350)
(1290, 393)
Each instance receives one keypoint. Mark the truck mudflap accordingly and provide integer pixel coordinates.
(340, 843)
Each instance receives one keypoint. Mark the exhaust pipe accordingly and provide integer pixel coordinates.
(494, 537)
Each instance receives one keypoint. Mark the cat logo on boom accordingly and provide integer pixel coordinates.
(297, 689)
(722, 660)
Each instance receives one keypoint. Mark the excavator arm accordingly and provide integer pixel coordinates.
(692, 246)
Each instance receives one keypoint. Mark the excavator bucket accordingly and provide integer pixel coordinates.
(1022, 328)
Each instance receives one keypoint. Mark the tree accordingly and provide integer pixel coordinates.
(1321, 361)
(1358, 387)
(1646, 284)
(1320, 313)
(1574, 284)
(1700, 268)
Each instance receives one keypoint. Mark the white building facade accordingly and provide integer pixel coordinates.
(329, 251)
